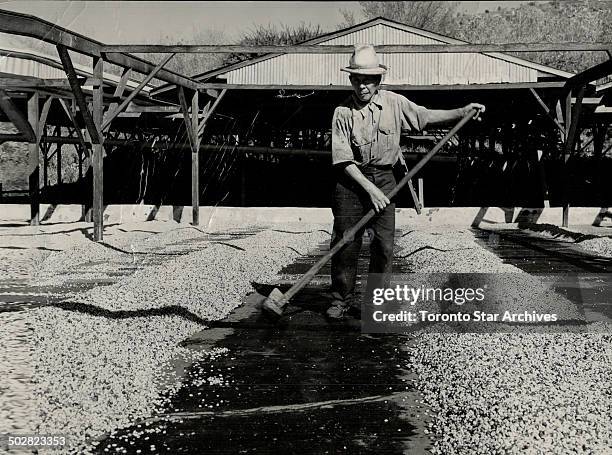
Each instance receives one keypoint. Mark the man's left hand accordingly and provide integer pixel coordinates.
(479, 108)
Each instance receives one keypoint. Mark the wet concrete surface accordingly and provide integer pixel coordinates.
(302, 385)
(537, 255)
(581, 276)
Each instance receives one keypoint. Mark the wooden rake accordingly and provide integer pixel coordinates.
(274, 304)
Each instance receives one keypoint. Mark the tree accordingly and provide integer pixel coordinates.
(192, 64)
(558, 21)
(272, 35)
(433, 16)
(568, 21)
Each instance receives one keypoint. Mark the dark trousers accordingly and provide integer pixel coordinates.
(350, 204)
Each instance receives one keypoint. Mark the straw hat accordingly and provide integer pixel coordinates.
(364, 61)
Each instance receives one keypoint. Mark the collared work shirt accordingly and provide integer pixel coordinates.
(371, 135)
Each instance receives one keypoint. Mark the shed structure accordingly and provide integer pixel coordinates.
(280, 105)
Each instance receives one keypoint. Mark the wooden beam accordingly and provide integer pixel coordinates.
(80, 138)
(344, 49)
(79, 97)
(98, 152)
(547, 111)
(405, 87)
(204, 114)
(589, 101)
(560, 113)
(33, 161)
(136, 91)
(208, 113)
(119, 89)
(135, 108)
(16, 117)
(26, 25)
(13, 138)
(33, 82)
(589, 75)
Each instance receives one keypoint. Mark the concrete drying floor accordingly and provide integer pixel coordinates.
(306, 385)
(309, 386)
(303, 385)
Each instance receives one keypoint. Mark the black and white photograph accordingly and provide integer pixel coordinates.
(306, 227)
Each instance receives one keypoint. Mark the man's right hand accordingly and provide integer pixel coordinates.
(378, 198)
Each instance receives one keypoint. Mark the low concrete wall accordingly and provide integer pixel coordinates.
(219, 216)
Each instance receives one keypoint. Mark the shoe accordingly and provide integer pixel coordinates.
(337, 312)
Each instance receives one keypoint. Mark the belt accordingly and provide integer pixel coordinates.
(377, 167)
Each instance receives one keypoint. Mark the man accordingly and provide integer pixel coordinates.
(365, 146)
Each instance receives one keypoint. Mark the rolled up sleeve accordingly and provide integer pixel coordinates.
(341, 140)
(414, 117)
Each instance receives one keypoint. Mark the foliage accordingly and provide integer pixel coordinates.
(272, 35)
(559, 21)
(191, 64)
(568, 21)
(434, 15)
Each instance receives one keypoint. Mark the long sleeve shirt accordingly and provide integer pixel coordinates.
(371, 135)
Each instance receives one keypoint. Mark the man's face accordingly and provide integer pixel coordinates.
(365, 86)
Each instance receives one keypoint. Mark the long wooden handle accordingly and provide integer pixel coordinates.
(348, 235)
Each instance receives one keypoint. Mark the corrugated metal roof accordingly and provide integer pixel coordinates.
(22, 62)
(413, 69)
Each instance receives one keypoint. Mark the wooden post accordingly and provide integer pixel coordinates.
(80, 155)
(195, 161)
(565, 191)
(421, 196)
(45, 156)
(59, 163)
(542, 175)
(33, 160)
(243, 162)
(98, 150)
(599, 137)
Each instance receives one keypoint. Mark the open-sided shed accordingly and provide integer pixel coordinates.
(280, 104)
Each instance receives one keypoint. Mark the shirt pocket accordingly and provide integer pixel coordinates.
(361, 142)
(388, 133)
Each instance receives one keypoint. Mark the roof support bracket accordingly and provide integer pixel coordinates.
(77, 129)
(79, 97)
(547, 111)
(115, 112)
(42, 122)
(207, 114)
(119, 89)
(16, 117)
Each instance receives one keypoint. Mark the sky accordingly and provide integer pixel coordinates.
(144, 22)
